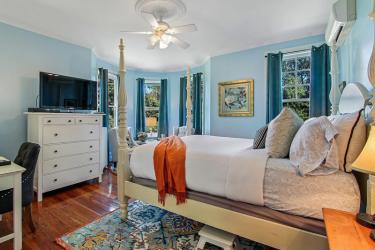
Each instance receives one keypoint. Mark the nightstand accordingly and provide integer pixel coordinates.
(344, 232)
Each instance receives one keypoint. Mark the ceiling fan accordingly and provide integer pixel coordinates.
(162, 33)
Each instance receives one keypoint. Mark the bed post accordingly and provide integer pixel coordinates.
(334, 95)
(123, 172)
(188, 100)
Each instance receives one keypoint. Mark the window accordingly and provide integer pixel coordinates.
(112, 100)
(296, 82)
(152, 104)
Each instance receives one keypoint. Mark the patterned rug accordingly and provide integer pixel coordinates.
(148, 227)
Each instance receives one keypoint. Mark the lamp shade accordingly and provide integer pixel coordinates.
(365, 162)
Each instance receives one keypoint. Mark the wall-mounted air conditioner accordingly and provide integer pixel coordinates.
(341, 20)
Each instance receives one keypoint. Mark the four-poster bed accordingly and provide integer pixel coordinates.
(261, 224)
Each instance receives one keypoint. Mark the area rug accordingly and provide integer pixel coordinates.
(148, 227)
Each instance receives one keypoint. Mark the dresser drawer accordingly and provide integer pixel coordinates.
(60, 150)
(58, 120)
(57, 134)
(68, 162)
(69, 177)
(88, 120)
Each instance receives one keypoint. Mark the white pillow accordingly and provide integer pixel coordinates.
(314, 150)
(345, 125)
(281, 132)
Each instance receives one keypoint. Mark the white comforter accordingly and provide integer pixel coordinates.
(221, 166)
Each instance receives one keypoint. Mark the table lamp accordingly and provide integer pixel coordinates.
(365, 163)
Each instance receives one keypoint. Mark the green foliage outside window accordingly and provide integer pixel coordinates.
(152, 103)
(111, 103)
(296, 79)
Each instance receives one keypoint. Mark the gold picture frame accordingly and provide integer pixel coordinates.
(236, 98)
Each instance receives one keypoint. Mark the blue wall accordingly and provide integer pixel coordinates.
(22, 55)
(248, 64)
(354, 55)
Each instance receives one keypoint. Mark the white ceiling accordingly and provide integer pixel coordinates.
(223, 26)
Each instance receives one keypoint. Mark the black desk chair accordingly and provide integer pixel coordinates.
(27, 158)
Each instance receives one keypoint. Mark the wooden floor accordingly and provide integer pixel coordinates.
(64, 211)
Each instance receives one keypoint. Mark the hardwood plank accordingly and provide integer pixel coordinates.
(64, 211)
(344, 233)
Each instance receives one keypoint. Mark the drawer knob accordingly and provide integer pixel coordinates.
(91, 132)
(56, 134)
(90, 171)
(55, 180)
(90, 158)
(96, 120)
(49, 121)
(55, 151)
(90, 146)
(69, 120)
(80, 120)
(55, 166)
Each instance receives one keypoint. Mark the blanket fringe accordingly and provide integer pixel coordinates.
(180, 197)
(161, 198)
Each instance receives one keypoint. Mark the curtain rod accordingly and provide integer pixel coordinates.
(292, 52)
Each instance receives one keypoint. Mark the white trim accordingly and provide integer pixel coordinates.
(292, 49)
(152, 81)
(299, 53)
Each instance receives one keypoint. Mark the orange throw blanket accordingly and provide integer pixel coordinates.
(169, 165)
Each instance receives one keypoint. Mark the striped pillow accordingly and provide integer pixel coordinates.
(260, 138)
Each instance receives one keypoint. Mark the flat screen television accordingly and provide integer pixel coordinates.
(67, 93)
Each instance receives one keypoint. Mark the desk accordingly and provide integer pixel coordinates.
(344, 232)
(10, 177)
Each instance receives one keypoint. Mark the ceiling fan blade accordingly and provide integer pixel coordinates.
(150, 18)
(153, 41)
(182, 29)
(180, 43)
(137, 32)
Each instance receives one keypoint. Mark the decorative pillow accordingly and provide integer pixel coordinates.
(345, 125)
(260, 138)
(281, 132)
(314, 150)
(356, 142)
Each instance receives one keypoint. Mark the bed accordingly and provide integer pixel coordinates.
(269, 219)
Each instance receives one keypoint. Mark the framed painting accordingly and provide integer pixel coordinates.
(236, 98)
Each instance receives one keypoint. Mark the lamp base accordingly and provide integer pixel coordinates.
(372, 235)
(366, 220)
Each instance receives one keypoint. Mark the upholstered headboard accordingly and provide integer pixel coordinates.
(355, 97)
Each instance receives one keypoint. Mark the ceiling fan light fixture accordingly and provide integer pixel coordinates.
(166, 39)
(154, 39)
(163, 45)
(155, 12)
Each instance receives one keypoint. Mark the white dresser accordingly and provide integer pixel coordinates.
(70, 148)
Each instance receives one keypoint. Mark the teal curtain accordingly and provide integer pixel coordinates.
(182, 109)
(140, 121)
(103, 88)
(320, 81)
(274, 91)
(197, 103)
(163, 109)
